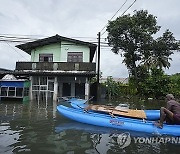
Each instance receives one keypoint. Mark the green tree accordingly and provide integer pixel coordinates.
(162, 48)
(155, 83)
(175, 84)
(112, 87)
(133, 37)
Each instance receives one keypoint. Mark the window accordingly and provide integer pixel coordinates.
(35, 88)
(11, 91)
(46, 57)
(75, 57)
(43, 80)
(26, 91)
(19, 92)
(4, 91)
(51, 86)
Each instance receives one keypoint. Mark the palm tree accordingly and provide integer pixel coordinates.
(161, 55)
(161, 49)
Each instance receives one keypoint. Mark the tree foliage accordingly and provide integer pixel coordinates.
(133, 37)
(117, 89)
(175, 84)
(153, 84)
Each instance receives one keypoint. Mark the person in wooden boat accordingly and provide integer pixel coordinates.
(170, 114)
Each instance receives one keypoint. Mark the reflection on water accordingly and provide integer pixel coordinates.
(38, 128)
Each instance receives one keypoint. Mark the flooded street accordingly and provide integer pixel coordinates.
(33, 128)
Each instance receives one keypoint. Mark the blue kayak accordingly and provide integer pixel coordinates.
(117, 122)
(81, 104)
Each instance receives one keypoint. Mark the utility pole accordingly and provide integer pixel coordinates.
(98, 67)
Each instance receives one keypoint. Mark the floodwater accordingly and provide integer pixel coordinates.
(38, 128)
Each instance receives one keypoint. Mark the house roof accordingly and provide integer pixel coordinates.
(122, 80)
(4, 70)
(27, 47)
(56, 73)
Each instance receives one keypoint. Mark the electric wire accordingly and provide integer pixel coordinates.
(121, 15)
(114, 15)
(128, 8)
(16, 51)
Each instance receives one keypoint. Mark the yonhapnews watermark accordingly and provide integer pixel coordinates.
(125, 140)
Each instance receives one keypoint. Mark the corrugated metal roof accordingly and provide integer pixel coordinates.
(53, 73)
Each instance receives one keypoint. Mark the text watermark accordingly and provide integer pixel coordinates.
(125, 140)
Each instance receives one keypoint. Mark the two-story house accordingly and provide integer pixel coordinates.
(59, 67)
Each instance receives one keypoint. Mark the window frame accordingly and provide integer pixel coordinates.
(75, 57)
(48, 56)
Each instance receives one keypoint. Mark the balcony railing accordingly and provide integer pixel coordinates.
(56, 66)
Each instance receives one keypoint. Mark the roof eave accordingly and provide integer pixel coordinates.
(28, 47)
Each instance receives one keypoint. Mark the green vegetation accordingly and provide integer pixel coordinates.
(117, 89)
(156, 85)
(145, 56)
(175, 84)
(133, 37)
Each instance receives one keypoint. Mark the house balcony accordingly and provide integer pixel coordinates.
(56, 67)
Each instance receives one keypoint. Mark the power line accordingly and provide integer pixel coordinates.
(25, 35)
(129, 7)
(8, 38)
(114, 14)
(121, 14)
(18, 36)
(16, 51)
(14, 41)
(13, 37)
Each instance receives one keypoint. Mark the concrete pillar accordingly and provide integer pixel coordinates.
(60, 89)
(72, 89)
(87, 89)
(55, 89)
(30, 89)
(54, 108)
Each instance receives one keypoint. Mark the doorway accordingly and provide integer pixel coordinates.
(66, 89)
(80, 89)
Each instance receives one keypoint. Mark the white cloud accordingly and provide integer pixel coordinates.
(78, 18)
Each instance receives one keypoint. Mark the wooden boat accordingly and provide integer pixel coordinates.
(142, 114)
(113, 111)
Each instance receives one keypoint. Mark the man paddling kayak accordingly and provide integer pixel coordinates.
(170, 114)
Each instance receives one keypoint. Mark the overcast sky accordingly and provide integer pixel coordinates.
(80, 19)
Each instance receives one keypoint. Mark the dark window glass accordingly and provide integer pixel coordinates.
(35, 88)
(26, 91)
(51, 86)
(19, 92)
(75, 57)
(35, 80)
(46, 57)
(12, 88)
(11, 91)
(43, 87)
(4, 91)
(43, 80)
